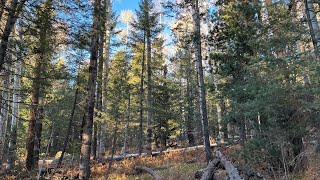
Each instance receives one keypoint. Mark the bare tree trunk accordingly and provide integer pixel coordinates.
(313, 26)
(243, 134)
(149, 84)
(97, 129)
(149, 171)
(90, 100)
(107, 14)
(4, 108)
(114, 141)
(34, 122)
(31, 130)
(220, 120)
(124, 148)
(38, 131)
(15, 110)
(66, 140)
(14, 12)
(94, 140)
(190, 111)
(202, 94)
(141, 97)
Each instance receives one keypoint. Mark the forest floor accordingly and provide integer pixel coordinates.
(176, 165)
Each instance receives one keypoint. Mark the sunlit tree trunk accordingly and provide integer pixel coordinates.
(313, 26)
(14, 11)
(114, 141)
(141, 97)
(98, 127)
(201, 85)
(124, 148)
(66, 140)
(15, 108)
(190, 110)
(37, 93)
(34, 118)
(90, 99)
(4, 106)
(149, 84)
(107, 15)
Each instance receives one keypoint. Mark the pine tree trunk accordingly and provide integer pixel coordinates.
(38, 131)
(149, 84)
(34, 115)
(66, 140)
(37, 94)
(14, 11)
(243, 134)
(36, 111)
(124, 148)
(114, 143)
(97, 126)
(313, 26)
(4, 108)
(90, 100)
(107, 15)
(15, 111)
(201, 85)
(190, 112)
(141, 98)
(220, 120)
(94, 141)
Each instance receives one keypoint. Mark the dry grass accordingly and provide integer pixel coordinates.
(175, 165)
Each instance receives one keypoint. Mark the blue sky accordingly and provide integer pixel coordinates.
(125, 4)
(120, 5)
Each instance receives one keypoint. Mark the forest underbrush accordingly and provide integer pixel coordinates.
(175, 165)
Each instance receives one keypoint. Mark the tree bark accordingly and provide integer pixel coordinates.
(66, 140)
(114, 144)
(97, 125)
(35, 124)
(94, 140)
(141, 97)
(231, 170)
(90, 100)
(38, 131)
(220, 108)
(124, 148)
(107, 14)
(38, 87)
(208, 173)
(14, 12)
(313, 26)
(149, 83)
(149, 171)
(190, 111)
(4, 107)
(201, 85)
(34, 116)
(15, 110)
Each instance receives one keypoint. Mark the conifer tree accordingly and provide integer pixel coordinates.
(147, 22)
(90, 99)
(42, 51)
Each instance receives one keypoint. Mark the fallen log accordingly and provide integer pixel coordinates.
(231, 170)
(149, 171)
(157, 153)
(219, 161)
(208, 172)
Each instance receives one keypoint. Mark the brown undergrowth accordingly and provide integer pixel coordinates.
(125, 169)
